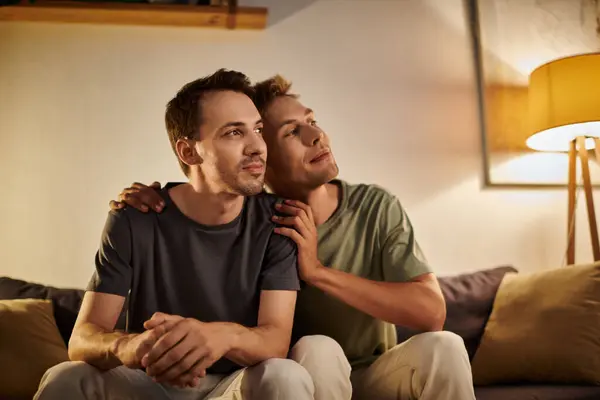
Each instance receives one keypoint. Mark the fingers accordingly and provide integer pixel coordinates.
(158, 358)
(299, 223)
(189, 379)
(130, 197)
(197, 371)
(293, 210)
(180, 371)
(152, 337)
(159, 318)
(143, 197)
(291, 233)
(137, 185)
(305, 207)
(206, 362)
(116, 205)
(171, 356)
(148, 340)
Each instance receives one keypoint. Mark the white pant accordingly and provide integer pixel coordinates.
(428, 366)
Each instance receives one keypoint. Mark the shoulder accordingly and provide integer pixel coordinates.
(264, 203)
(363, 195)
(375, 205)
(130, 217)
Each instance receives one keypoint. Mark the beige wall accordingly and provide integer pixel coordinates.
(81, 111)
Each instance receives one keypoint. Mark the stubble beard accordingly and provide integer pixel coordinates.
(241, 185)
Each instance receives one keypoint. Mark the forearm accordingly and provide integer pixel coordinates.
(95, 346)
(250, 346)
(416, 305)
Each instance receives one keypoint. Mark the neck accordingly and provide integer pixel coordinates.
(205, 204)
(323, 201)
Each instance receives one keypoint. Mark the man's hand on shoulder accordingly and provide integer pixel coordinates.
(300, 226)
(182, 355)
(140, 197)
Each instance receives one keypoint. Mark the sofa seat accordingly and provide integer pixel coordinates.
(537, 392)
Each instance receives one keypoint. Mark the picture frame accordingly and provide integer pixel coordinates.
(509, 39)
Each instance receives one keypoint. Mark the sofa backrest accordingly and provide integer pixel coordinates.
(65, 301)
(469, 300)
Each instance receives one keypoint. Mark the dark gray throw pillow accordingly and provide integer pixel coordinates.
(469, 300)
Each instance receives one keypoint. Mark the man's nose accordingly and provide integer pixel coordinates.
(313, 135)
(256, 145)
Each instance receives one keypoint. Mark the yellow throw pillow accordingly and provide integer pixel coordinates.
(544, 328)
(30, 343)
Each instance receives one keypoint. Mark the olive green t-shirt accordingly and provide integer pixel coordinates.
(369, 235)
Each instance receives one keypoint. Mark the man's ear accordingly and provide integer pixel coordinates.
(186, 151)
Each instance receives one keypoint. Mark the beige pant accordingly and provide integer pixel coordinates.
(428, 366)
(274, 379)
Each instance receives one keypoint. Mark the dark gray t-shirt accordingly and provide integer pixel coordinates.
(167, 262)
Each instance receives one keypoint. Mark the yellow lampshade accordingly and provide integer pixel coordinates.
(564, 102)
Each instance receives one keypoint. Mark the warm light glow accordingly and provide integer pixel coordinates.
(558, 139)
(564, 102)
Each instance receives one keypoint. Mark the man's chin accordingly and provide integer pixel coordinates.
(324, 176)
(249, 187)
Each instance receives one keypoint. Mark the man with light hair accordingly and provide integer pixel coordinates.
(363, 270)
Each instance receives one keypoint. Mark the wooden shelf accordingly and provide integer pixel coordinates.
(137, 14)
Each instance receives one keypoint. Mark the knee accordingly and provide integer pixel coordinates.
(445, 350)
(317, 347)
(444, 343)
(66, 377)
(280, 375)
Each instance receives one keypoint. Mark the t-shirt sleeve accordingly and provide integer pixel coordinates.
(113, 271)
(280, 266)
(402, 257)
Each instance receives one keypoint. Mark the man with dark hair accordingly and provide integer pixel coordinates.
(363, 269)
(211, 287)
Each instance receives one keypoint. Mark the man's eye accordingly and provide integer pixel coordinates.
(233, 132)
(313, 123)
(259, 130)
(293, 131)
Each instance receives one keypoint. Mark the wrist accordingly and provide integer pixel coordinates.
(231, 333)
(117, 347)
(316, 275)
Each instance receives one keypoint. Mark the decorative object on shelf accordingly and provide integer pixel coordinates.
(133, 12)
(564, 115)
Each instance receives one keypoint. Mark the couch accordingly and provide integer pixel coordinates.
(469, 297)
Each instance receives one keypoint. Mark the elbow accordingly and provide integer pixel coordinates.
(430, 316)
(436, 315)
(280, 350)
(280, 345)
(74, 349)
(279, 353)
(438, 320)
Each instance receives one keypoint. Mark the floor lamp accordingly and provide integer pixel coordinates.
(564, 115)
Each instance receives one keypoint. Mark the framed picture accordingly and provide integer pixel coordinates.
(510, 39)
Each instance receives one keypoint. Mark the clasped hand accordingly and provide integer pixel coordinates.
(176, 350)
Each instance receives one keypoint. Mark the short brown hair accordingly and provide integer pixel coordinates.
(183, 116)
(270, 89)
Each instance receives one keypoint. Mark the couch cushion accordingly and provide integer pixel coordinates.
(31, 343)
(66, 302)
(537, 392)
(544, 328)
(469, 299)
